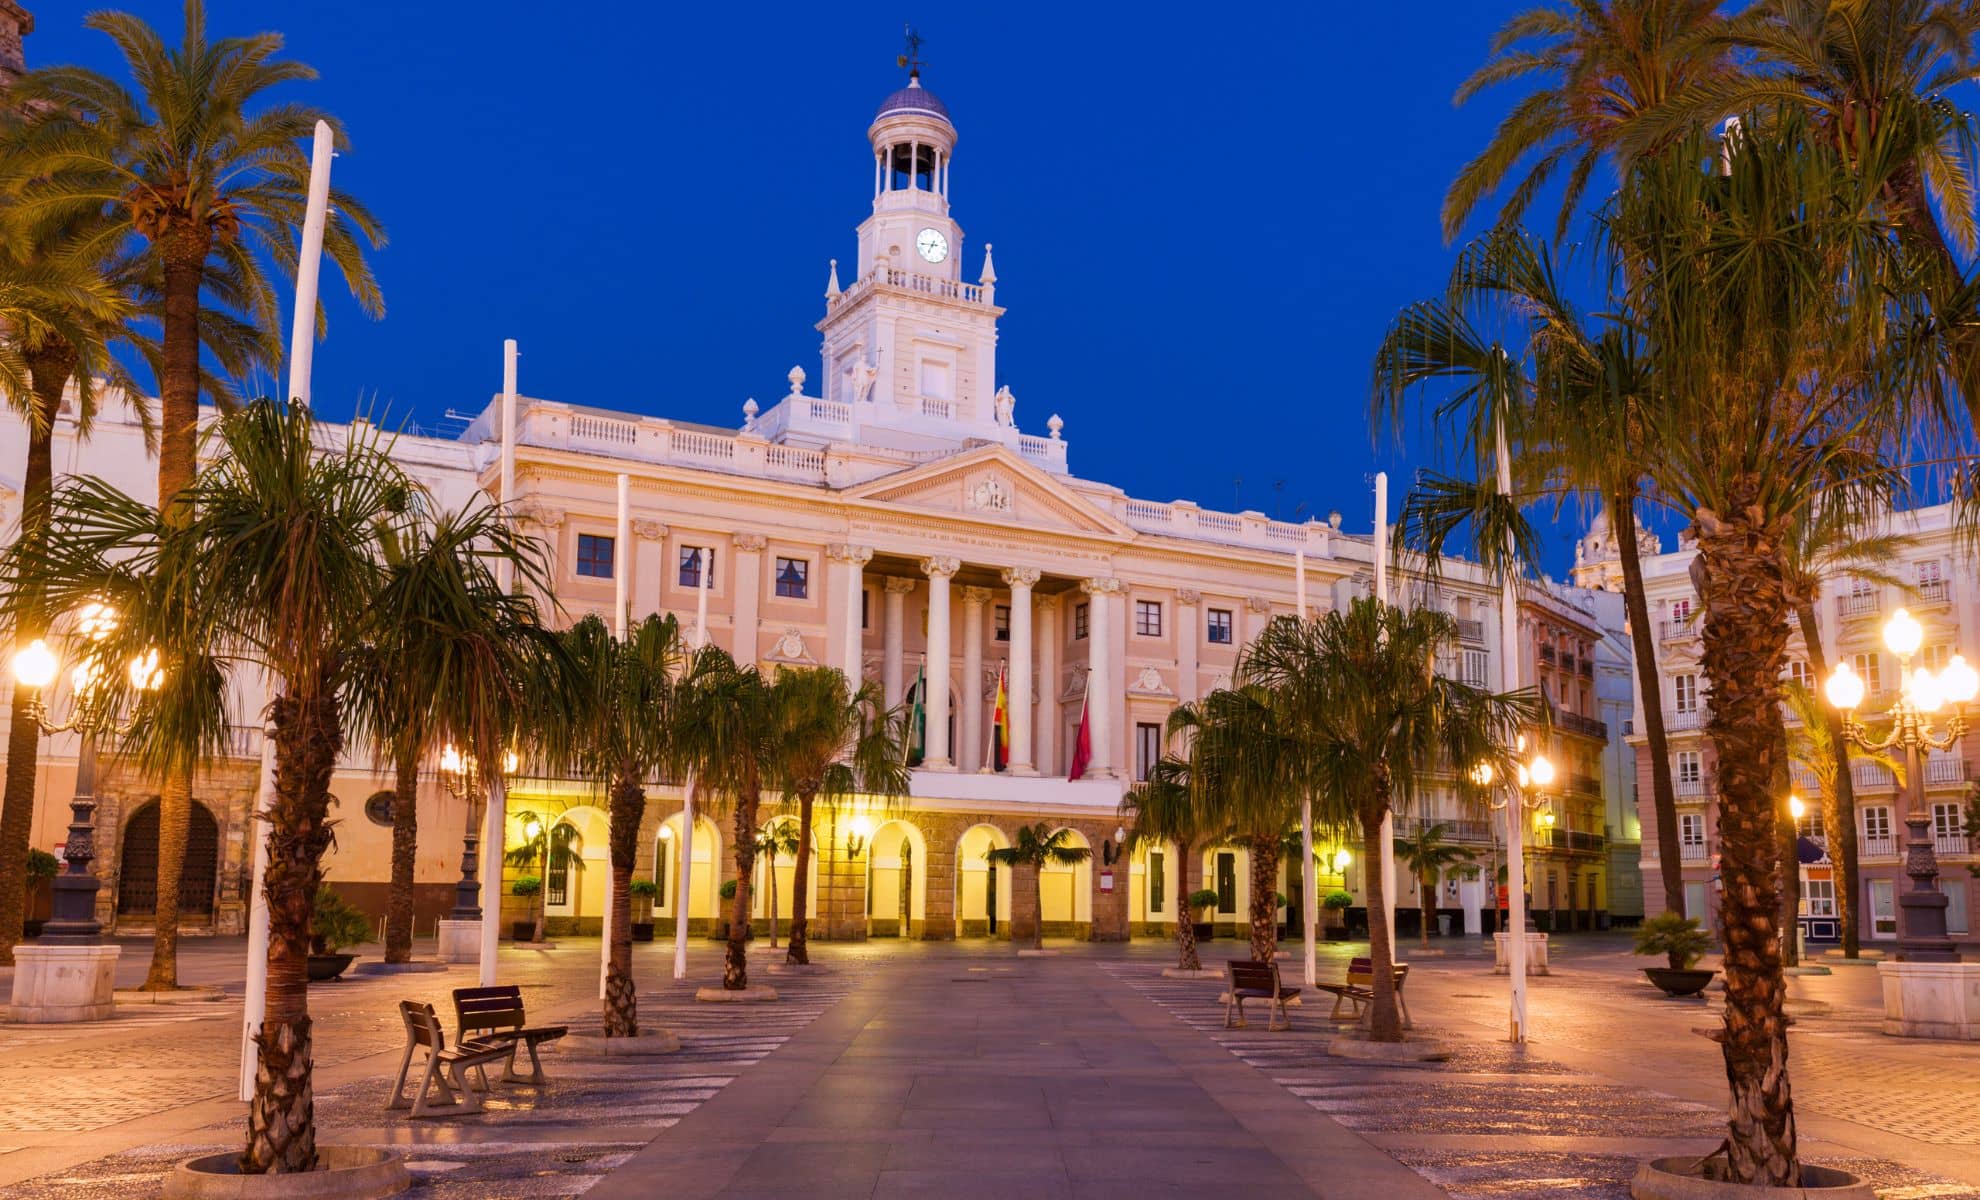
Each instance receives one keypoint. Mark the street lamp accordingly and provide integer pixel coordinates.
(74, 920)
(462, 777)
(1530, 778)
(1922, 910)
(856, 834)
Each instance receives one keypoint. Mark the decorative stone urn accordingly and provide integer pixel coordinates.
(1536, 954)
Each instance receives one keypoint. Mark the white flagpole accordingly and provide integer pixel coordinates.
(1516, 807)
(495, 829)
(1309, 904)
(302, 359)
(621, 580)
(505, 570)
(1388, 864)
(683, 904)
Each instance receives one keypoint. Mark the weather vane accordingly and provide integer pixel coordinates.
(912, 59)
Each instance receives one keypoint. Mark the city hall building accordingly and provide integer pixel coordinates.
(898, 511)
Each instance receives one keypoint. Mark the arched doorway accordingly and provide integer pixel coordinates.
(983, 889)
(1065, 892)
(896, 881)
(785, 867)
(706, 878)
(137, 873)
(578, 870)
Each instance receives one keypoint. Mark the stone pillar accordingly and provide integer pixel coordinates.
(1021, 580)
(1189, 631)
(841, 879)
(1110, 904)
(1024, 904)
(845, 653)
(939, 913)
(970, 741)
(1101, 696)
(939, 572)
(893, 635)
(648, 563)
(1051, 653)
(745, 596)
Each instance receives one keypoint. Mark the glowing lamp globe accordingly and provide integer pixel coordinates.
(531, 828)
(861, 827)
(666, 833)
(510, 762)
(1796, 808)
(1341, 860)
(1542, 771)
(82, 677)
(1959, 681)
(1482, 774)
(144, 671)
(1902, 634)
(35, 666)
(1844, 687)
(450, 759)
(1927, 694)
(95, 620)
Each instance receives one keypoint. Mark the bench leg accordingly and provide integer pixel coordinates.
(535, 1066)
(1403, 1005)
(1283, 1017)
(399, 1099)
(1235, 1010)
(470, 1099)
(428, 1080)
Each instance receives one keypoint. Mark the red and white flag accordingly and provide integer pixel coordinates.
(1082, 744)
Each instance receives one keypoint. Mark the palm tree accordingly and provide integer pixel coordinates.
(544, 840)
(1164, 810)
(780, 836)
(456, 672)
(1376, 721)
(1573, 407)
(209, 181)
(834, 742)
(59, 317)
(1032, 847)
(727, 736)
(1428, 856)
(1603, 64)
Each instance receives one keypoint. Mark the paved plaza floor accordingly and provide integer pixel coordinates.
(958, 1070)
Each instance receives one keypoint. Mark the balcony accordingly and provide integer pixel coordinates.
(1576, 723)
(1691, 851)
(1932, 593)
(1471, 631)
(1547, 655)
(1950, 843)
(1587, 668)
(1880, 847)
(1679, 630)
(1859, 604)
(1455, 829)
(1571, 839)
(1871, 775)
(1567, 662)
(1586, 785)
(1684, 718)
(1945, 768)
(1690, 787)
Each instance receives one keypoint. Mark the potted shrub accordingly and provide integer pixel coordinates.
(1201, 902)
(1287, 930)
(529, 887)
(719, 930)
(1335, 906)
(41, 867)
(1682, 943)
(643, 892)
(335, 926)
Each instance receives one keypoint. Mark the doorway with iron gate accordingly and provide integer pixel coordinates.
(137, 872)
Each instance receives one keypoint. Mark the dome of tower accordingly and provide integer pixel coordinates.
(913, 99)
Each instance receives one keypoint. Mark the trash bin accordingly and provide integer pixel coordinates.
(1443, 924)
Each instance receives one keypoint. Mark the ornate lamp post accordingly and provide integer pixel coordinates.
(1922, 693)
(462, 778)
(1530, 781)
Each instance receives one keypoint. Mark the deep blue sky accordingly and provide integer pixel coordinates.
(1202, 225)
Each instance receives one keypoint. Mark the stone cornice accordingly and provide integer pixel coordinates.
(900, 585)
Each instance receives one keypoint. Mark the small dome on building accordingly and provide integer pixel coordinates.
(913, 99)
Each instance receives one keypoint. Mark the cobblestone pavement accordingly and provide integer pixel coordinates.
(552, 1141)
(1505, 1122)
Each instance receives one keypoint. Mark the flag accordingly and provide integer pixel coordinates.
(1000, 723)
(1083, 743)
(917, 731)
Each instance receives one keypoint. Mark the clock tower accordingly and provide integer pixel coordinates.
(909, 344)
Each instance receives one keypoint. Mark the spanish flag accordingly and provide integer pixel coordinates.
(1000, 723)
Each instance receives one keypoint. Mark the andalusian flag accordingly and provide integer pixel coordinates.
(1083, 742)
(917, 739)
(1000, 723)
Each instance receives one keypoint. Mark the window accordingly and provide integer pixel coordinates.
(1876, 823)
(1694, 902)
(557, 887)
(1079, 622)
(1818, 897)
(1157, 882)
(1691, 832)
(594, 556)
(1883, 908)
(1219, 629)
(865, 609)
(1799, 672)
(1000, 621)
(1690, 769)
(1935, 658)
(1684, 693)
(1954, 891)
(1810, 824)
(1147, 748)
(1870, 668)
(1148, 618)
(691, 559)
(1680, 612)
(1471, 667)
(793, 578)
(661, 857)
(1226, 881)
(1931, 584)
(1947, 822)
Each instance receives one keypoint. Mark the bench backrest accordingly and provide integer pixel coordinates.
(422, 1025)
(498, 1007)
(1263, 976)
(1361, 971)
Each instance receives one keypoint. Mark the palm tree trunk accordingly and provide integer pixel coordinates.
(24, 735)
(405, 854)
(1839, 801)
(1186, 958)
(1427, 885)
(1264, 898)
(1038, 905)
(621, 997)
(184, 252)
(800, 949)
(1384, 1019)
(1649, 685)
(281, 1132)
(770, 881)
(735, 961)
(1746, 608)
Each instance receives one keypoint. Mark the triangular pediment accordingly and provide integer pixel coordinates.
(990, 483)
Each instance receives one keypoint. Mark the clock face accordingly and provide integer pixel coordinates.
(932, 244)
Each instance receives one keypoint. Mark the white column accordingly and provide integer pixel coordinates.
(939, 572)
(1051, 640)
(621, 576)
(1021, 580)
(505, 570)
(893, 635)
(1101, 696)
(847, 655)
(969, 753)
(492, 834)
(914, 160)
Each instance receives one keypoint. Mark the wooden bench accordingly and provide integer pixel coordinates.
(1359, 990)
(423, 1029)
(500, 1008)
(1258, 981)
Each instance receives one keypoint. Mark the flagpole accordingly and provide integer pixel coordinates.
(684, 906)
(1309, 904)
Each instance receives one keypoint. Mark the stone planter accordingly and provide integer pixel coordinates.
(1927, 999)
(522, 931)
(1536, 953)
(325, 967)
(642, 931)
(1692, 1179)
(1679, 982)
(1204, 930)
(343, 1173)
